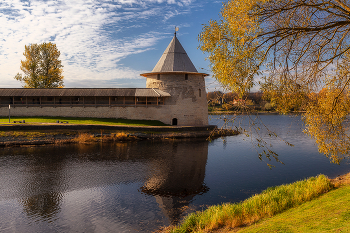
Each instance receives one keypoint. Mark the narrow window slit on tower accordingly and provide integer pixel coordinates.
(186, 76)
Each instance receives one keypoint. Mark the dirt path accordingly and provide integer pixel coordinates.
(341, 180)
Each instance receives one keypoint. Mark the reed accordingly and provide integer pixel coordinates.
(270, 202)
(84, 138)
(119, 136)
(89, 137)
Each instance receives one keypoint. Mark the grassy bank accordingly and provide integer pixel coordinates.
(47, 130)
(269, 203)
(76, 120)
(329, 213)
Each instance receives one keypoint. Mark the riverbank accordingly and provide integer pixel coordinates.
(328, 213)
(312, 205)
(62, 133)
(250, 112)
(242, 113)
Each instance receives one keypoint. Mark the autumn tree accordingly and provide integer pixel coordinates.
(234, 62)
(301, 47)
(230, 96)
(214, 95)
(42, 67)
(256, 97)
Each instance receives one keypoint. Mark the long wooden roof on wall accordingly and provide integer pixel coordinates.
(139, 92)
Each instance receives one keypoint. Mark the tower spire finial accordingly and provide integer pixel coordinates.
(176, 29)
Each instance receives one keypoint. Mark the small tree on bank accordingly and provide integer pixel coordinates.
(42, 67)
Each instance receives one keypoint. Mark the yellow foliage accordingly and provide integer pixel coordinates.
(285, 96)
(325, 121)
(84, 138)
(42, 68)
(232, 55)
(302, 47)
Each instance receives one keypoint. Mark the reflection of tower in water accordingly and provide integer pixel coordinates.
(177, 177)
(172, 171)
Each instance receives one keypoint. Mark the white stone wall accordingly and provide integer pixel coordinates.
(129, 112)
(161, 113)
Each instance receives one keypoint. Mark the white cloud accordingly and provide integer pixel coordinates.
(90, 34)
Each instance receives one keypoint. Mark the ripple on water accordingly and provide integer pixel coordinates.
(141, 186)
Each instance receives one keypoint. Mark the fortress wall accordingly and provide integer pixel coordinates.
(162, 113)
(188, 104)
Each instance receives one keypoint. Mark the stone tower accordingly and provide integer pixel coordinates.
(175, 74)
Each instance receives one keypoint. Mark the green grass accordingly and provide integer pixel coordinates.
(270, 202)
(328, 213)
(71, 120)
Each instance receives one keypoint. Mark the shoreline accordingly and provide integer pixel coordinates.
(12, 135)
(249, 113)
(222, 222)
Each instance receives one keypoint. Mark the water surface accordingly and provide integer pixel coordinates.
(142, 186)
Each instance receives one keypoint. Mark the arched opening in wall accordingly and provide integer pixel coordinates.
(174, 121)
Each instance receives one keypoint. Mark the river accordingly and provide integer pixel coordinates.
(145, 185)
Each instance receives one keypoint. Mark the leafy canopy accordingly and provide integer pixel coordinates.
(42, 67)
(234, 61)
(302, 47)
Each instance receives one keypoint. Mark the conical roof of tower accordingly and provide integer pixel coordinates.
(174, 59)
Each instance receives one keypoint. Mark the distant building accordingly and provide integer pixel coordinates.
(175, 94)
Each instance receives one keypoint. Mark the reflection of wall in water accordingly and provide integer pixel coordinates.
(44, 182)
(173, 171)
(177, 177)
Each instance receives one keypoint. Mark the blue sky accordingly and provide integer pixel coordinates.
(103, 43)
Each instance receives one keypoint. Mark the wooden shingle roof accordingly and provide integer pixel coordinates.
(174, 58)
(139, 92)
